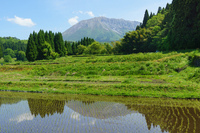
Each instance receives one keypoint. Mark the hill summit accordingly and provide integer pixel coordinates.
(101, 29)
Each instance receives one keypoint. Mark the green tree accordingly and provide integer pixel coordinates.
(146, 18)
(109, 48)
(35, 38)
(159, 10)
(155, 21)
(41, 40)
(46, 36)
(21, 55)
(185, 30)
(151, 15)
(51, 38)
(117, 47)
(136, 41)
(74, 48)
(81, 49)
(94, 48)
(69, 48)
(59, 44)
(46, 50)
(7, 58)
(10, 52)
(31, 51)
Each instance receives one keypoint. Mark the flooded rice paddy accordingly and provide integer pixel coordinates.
(25, 112)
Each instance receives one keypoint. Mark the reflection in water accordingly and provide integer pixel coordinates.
(8, 100)
(99, 110)
(45, 107)
(90, 115)
(23, 117)
(172, 119)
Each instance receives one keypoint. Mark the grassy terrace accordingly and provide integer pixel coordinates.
(147, 75)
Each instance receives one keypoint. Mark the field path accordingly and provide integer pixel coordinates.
(168, 57)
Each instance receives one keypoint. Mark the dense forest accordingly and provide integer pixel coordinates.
(175, 27)
(13, 47)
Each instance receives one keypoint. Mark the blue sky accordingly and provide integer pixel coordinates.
(19, 18)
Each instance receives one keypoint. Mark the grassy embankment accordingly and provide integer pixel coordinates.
(146, 75)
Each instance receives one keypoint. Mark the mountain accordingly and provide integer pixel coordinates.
(101, 29)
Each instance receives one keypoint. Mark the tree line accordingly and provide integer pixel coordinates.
(73, 48)
(89, 46)
(11, 47)
(175, 27)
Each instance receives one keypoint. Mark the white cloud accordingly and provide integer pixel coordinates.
(73, 21)
(22, 21)
(23, 117)
(90, 13)
(75, 116)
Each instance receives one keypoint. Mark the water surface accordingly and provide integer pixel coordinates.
(24, 112)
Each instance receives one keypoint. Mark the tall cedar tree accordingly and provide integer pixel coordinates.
(159, 10)
(146, 18)
(46, 36)
(51, 38)
(31, 51)
(41, 40)
(59, 44)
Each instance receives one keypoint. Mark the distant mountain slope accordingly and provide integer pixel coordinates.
(102, 29)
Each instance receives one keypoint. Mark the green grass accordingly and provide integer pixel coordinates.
(146, 75)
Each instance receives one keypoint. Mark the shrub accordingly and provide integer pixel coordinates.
(81, 49)
(10, 52)
(21, 55)
(54, 55)
(7, 58)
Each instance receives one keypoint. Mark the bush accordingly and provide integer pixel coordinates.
(95, 48)
(81, 49)
(10, 52)
(54, 55)
(7, 58)
(20, 55)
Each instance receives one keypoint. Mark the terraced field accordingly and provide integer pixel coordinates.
(144, 74)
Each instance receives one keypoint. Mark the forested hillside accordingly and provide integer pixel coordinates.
(13, 47)
(175, 27)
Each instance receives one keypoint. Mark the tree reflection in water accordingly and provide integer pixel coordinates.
(45, 107)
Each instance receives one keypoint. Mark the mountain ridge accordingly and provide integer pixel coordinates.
(102, 29)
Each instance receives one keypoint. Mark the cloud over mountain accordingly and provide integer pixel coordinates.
(73, 21)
